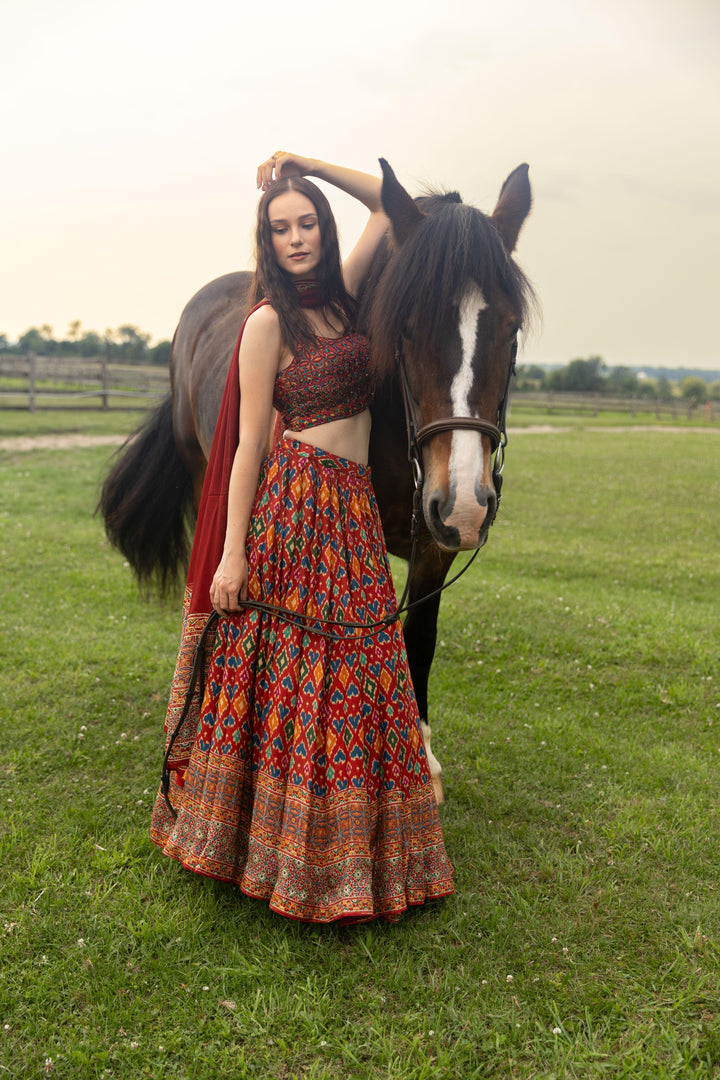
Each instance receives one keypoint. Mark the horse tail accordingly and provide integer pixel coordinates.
(146, 502)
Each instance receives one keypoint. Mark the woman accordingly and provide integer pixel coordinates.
(305, 781)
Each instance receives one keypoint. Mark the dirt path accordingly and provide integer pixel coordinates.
(24, 443)
(20, 443)
(549, 429)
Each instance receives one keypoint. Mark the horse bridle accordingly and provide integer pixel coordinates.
(497, 433)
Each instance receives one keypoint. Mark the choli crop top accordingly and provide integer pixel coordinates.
(328, 380)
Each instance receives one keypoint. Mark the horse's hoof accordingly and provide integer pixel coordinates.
(438, 789)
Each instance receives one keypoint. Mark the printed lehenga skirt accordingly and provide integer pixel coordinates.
(305, 780)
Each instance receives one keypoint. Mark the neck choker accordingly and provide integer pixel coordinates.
(310, 294)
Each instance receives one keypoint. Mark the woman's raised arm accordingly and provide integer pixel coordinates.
(361, 186)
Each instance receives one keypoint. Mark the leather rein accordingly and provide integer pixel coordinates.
(497, 434)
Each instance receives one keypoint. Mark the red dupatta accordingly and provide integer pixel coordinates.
(209, 539)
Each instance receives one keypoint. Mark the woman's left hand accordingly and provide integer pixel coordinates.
(283, 163)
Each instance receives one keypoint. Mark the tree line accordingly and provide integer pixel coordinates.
(593, 376)
(126, 344)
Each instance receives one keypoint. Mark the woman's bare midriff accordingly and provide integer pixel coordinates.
(347, 438)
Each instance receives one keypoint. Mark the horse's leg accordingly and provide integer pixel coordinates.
(420, 632)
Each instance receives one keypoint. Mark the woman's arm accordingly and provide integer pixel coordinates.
(361, 186)
(260, 351)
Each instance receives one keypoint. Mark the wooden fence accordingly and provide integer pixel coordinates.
(553, 402)
(51, 382)
(31, 382)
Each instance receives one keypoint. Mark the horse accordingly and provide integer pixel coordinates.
(442, 304)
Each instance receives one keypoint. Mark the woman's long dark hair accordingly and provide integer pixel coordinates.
(277, 286)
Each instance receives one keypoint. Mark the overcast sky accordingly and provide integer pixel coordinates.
(131, 131)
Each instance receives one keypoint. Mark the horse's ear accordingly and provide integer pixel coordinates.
(513, 206)
(398, 205)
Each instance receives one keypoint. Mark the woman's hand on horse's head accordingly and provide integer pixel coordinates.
(283, 163)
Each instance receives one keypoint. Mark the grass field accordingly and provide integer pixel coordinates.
(575, 706)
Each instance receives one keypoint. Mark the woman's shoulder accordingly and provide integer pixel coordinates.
(262, 327)
(261, 339)
(263, 318)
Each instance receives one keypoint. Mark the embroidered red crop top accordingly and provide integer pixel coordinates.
(326, 381)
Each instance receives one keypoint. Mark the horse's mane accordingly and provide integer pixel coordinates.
(420, 281)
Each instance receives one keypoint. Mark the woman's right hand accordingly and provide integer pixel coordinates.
(283, 163)
(229, 588)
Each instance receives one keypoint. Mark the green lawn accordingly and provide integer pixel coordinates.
(575, 706)
(88, 420)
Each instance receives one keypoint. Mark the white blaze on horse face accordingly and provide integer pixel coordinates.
(466, 464)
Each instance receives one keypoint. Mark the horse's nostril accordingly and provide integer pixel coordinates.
(446, 536)
(486, 497)
(433, 507)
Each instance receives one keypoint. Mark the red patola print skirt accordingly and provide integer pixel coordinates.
(303, 777)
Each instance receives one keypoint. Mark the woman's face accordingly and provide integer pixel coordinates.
(295, 234)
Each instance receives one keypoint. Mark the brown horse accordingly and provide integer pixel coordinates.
(445, 296)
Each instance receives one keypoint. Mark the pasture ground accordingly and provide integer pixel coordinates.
(576, 706)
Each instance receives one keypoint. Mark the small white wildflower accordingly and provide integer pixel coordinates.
(7, 1027)
(508, 978)
(553, 940)
(134, 1045)
(81, 734)
(431, 1032)
(161, 1048)
(206, 987)
(81, 942)
(123, 735)
(557, 1031)
(83, 727)
(565, 950)
(484, 982)
(323, 1043)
